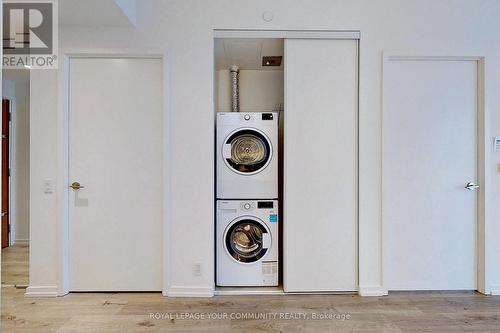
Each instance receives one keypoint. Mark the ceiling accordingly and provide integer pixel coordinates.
(246, 53)
(94, 13)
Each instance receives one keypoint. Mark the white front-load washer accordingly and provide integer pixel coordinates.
(247, 155)
(247, 243)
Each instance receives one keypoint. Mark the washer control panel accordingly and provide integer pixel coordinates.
(247, 206)
(235, 206)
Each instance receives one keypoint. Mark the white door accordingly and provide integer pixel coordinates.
(115, 149)
(429, 155)
(320, 165)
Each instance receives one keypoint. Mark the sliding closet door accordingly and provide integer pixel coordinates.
(320, 165)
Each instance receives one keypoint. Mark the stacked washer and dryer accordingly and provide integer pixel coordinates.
(247, 248)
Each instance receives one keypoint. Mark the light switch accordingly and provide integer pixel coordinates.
(48, 186)
(197, 269)
(496, 144)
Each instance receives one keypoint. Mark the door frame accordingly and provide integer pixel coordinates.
(12, 167)
(63, 287)
(483, 158)
(303, 34)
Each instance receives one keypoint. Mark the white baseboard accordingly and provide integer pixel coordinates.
(23, 242)
(41, 291)
(495, 289)
(371, 291)
(245, 291)
(180, 291)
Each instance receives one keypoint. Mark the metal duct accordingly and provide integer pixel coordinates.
(235, 89)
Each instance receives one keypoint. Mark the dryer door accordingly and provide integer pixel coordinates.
(247, 240)
(247, 151)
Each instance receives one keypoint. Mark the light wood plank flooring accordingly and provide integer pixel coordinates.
(15, 266)
(131, 312)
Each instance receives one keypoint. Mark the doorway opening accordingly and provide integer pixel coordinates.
(330, 82)
(249, 86)
(15, 169)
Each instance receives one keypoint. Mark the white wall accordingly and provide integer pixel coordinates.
(129, 7)
(183, 31)
(8, 89)
(43, 259)
(19, 92)
(259, 90)
(21, 162)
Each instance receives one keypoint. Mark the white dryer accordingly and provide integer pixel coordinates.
(247, 243)
(247, 155)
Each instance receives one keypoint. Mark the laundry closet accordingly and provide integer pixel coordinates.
(286, 146)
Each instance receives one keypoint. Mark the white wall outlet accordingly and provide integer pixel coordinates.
(48, 186)
(197, 269)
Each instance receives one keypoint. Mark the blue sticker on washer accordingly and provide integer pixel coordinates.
(273, 217)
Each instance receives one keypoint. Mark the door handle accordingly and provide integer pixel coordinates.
(76, 186)
(471, 186)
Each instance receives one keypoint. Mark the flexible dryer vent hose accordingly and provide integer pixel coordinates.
(235, 89)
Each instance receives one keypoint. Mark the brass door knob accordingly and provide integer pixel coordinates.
(76, 186)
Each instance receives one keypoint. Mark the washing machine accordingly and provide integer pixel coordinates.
(247, 243)
(247, 155)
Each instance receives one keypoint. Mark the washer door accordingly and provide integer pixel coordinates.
(247, 240)
(247, 151)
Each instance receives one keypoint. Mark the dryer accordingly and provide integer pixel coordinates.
(247, 243)
(247, 155)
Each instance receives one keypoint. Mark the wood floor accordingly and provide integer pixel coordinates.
(151, 312)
